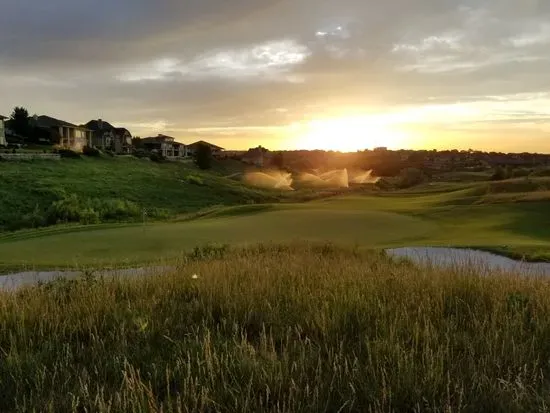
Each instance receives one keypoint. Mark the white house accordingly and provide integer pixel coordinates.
(67, 135)
(2, 131)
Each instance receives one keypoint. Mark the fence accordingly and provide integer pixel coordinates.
(29, 156)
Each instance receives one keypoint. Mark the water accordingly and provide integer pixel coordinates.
(21, 279)
(269, 180)
(339, 178)
(481, 260)
(484, 262)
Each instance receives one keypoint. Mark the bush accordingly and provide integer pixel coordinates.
(93, 211)
(88, 217)
(203, 157)
(89, 151)
(67, 153)
(141, 153)
(157, 157)
(521, 172)
(410, 177)
(499, 174)
(542, 172)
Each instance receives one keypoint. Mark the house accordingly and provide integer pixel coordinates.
(192, 149)
(165, 146)
(64, 134)
(106, 137)
(2, 131)
(123, 140)
(257, 156)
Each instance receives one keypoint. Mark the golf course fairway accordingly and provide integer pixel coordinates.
(449, 219)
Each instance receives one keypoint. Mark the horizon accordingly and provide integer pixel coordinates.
(342, 75)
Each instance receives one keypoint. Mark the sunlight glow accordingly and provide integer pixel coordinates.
(350, 134)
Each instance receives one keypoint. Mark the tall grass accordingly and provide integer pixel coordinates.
(298, 328)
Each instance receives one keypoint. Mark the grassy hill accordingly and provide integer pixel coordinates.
(92, 190)
(460, 216)
(289, 328)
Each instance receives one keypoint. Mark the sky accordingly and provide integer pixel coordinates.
(288, 74)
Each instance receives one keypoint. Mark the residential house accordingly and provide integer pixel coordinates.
(107, 137)
(123, 140)
(64, 134)
(165, 146)
(216, 150)
(2, 131)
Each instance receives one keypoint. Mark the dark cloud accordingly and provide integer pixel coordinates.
(239, 63)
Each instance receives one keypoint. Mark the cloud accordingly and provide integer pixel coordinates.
(215, 67)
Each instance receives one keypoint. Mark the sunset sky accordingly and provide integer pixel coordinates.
(329, 74)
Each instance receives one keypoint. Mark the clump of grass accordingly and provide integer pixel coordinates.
(280, 328)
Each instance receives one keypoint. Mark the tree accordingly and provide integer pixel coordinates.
(20, 121)
(203, 156)
(499, 174)
(278, 160)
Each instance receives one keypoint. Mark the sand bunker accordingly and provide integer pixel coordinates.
(269, 180)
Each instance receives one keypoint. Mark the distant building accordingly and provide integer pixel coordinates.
(165, 146)
(2, 131)
(107, 137)
(64, 134)
(216, 150)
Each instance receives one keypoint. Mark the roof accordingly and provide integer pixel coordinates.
(121, 130)
(49, 122)
(159, 138)
(3, 117)
(208, 144)
(95, 125)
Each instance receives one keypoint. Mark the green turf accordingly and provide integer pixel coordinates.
(456, 218)
(28, 188)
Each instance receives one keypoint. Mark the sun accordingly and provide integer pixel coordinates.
(350, 134)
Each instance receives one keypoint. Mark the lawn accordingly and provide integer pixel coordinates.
(460, 217)
(28, 190)
(279, 328)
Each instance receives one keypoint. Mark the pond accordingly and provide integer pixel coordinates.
(441, 257)
(482, 260)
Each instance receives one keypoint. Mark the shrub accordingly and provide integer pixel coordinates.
(65, 210)
(203, 157)
(157, 157)
(92, 211)
(521, 172)
(141, 153)
(499, 174)
(209, 251)
(90, 151)
(116, 209)
(89, 216)
(542, 172)
(67, 153)
(410, 177)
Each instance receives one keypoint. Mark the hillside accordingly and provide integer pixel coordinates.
(459, 216)
(91, 190)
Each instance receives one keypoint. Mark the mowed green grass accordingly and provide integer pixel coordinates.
(26, 187)
(280, 328)
(457, 218)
